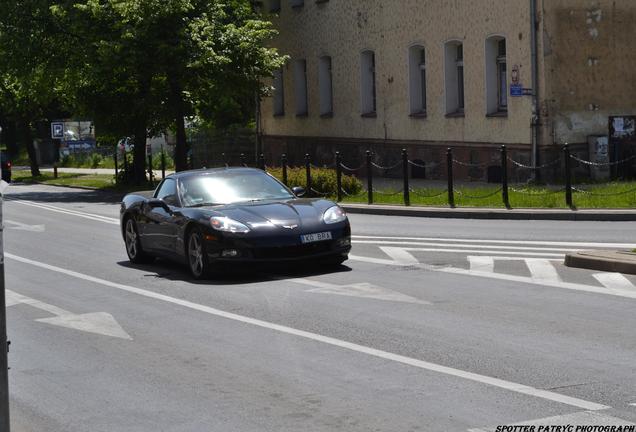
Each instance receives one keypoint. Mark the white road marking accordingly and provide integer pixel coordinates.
(521, 279)
(464, 246)
(482, 263)
(587, 418)
(475, 251)
(101, 323)
(91, 216)
(23, 227)
(614, 281)
(399, 255)
(542, 270)
(495, 382)
(362, 290)
(518, 242)
(633, 404)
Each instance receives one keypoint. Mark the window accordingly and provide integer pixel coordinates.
(367, 84)
(168, 192)
(297, 3)
(274, 6)
(325, 82)
(417, 80)
(300, 86)
(454, 74)
(496, 76)
(279, 93)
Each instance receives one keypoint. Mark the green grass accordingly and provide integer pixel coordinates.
(611, 195)
(93, 181)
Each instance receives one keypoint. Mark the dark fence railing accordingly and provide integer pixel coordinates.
(407, 167)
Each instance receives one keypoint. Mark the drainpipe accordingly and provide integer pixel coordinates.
(536, 111)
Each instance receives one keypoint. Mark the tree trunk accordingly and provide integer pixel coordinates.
(139, 153)
(181, 151)
(26, 137)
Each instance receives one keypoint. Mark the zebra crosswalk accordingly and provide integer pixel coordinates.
(539, 262)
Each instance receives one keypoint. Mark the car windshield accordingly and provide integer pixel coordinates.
(228, 187)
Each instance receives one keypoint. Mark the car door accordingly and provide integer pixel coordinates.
(160, 229)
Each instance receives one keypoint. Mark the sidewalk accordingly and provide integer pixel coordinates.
(94, 171)
(617, 261)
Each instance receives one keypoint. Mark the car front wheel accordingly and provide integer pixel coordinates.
(133, 245)
(197, 255)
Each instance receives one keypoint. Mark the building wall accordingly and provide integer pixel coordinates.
(342, 29)
(590, 65)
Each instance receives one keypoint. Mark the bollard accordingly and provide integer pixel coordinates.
(150, 168)
(369, 179)
(308, 174)
(163, 164)
(54, 169)
(339, 176)
(449, 165)
(283, 162)
(405, 174)
(116, 167)
(568, 176)
(261, 161)
(504, 176)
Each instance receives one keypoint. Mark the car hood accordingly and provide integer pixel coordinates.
(291, 214)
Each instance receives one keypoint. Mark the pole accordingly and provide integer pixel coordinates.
(150, 168)
(504, 176)
(283, 162)
(405, 174)
(339, 176)
(536, 111)
(116, 167)
(163, 164)
(308, 174)
(449, 166)
(568, 176)
(261, 161)
(4, 344)
(242, 157)
(369, 179)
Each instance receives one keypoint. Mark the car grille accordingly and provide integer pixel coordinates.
(292, 251)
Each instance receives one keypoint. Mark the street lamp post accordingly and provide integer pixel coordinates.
(4, 347)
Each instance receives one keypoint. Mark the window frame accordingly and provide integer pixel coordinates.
(368, 83)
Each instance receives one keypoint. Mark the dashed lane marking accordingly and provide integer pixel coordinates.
(542, 270)
(614, 281)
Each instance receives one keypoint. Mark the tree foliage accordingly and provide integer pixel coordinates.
(139, 66)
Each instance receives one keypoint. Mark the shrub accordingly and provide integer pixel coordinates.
(323, 180)
(156, 161)
(95, 159)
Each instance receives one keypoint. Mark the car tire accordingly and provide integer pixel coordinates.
(136, 254)
(197, 255)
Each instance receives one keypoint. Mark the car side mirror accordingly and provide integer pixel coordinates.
(298, 191)
(158, 203)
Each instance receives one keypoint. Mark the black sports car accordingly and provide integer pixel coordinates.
(208, 219)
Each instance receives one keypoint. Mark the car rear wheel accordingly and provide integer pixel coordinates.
(197, 255)
(133, 245)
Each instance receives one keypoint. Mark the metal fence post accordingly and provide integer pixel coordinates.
(125, 165)
(369, 179)
(283, 162)
(405, 174)
(150, 168)
(163, 164)
(308, 174)
(504, 176)
(261, 161)
(339, 175)
(242, 157)
(116, 167)
(449, 166)
(568, 176)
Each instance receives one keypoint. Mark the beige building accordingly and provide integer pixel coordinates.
(426, 75)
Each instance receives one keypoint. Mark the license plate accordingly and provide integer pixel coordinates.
(311, 238)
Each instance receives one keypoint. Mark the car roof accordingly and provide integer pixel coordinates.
(212, 171)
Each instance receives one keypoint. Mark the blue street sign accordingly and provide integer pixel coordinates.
(516, 90)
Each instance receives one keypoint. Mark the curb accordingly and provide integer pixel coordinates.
(588, 260)
(490, 213)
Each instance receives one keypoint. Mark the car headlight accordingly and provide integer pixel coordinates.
(334, 215)
(228, 225)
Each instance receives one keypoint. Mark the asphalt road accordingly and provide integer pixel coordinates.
(434, 325)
